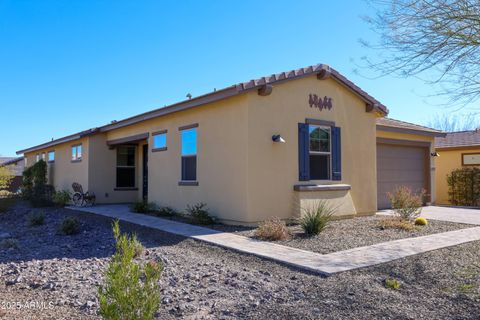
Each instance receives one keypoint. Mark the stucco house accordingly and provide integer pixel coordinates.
(456, 150)
(262, 148)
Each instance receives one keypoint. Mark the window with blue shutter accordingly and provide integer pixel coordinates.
(319, 152)
(303, 152)
(336, 154)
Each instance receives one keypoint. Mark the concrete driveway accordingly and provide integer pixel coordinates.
(451, 214)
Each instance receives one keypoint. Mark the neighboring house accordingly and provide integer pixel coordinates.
(263, 148)
(456, 150)
(16, 166)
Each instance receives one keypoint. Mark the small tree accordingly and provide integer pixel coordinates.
(6, 177)
(34, 185)
(131, 291)
(405, 203)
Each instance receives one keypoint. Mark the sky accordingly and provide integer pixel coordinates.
(67, 66)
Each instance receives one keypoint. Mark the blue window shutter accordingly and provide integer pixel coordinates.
(303, 156)
(336, 154)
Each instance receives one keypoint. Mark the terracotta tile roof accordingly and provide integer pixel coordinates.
(459, 139)
(321, 70)
(393, 123)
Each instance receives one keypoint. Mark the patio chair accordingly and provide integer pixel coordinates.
(81, 199)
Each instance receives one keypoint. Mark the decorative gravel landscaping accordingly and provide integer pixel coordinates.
(201, 281)
(349, 233)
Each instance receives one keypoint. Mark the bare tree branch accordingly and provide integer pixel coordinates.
(442, 36)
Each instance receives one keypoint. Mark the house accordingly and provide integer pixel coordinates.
(262, 148)
(16, 166)
(456, 150)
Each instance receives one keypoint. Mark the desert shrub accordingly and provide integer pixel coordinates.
(165, 212)
(392, 283)
(405, 203)
(70, 226)
(9, 243)
(7, 200)
(200, 214)
(316, 218)
(396, 223)
(139, 248)
(272, 229)
(421, 221)
(131, 290)
(143, 207)
(6, 177)
(464, 187)
(36, 218)
(61, 198)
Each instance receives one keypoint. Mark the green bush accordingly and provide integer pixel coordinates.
(272, 229)
(316, 218)
(405, 203)
(392, 283)
(61, 198)
(199, 214)
(464, 187)
(36, 218)
(70, 226)
(143, 207)
(166, 212)
(6, 177)
(34, 185)
(131, 290)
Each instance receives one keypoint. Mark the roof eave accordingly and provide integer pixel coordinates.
(410, 131)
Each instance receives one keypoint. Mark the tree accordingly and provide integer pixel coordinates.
(6, 177)
(454, 122)
(439, 36)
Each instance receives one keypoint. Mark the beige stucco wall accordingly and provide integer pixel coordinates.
(63, 172)
(448, 161)
(102, 173)
(273, 167)
(221, 158)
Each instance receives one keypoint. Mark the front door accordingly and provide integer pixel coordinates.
(145, 172)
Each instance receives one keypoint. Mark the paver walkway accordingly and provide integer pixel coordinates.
(451, 214)
(326, 264)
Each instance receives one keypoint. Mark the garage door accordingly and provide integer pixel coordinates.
(399, 165)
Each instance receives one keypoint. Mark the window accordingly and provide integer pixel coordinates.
(126, 167)
(51, 156)
(43, 156)
(189, 154)
(77, 152)
(37, 158)
(319, 152)
(160, 141)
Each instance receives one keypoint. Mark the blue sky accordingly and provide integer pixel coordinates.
(66, 66)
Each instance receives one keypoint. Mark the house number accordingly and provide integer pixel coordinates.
(317, 102)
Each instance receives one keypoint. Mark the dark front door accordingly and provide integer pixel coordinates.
(145, 172)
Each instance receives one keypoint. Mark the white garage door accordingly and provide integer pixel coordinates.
(399, 165)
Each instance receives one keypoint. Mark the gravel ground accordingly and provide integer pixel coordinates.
(349, 233)
(201, 281)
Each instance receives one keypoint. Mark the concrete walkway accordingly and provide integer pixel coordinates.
(451, 214)
(324, 264)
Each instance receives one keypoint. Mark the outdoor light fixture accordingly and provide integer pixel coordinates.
(278, 138)
(434, 154)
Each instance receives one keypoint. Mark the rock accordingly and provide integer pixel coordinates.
(5, 235)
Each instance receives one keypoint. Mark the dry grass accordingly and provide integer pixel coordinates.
(273, 229)
(396, 223)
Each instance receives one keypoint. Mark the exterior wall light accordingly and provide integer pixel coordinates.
(278, 138)
(435, 154)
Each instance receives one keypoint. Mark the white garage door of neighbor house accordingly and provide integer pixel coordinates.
(399, 165)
